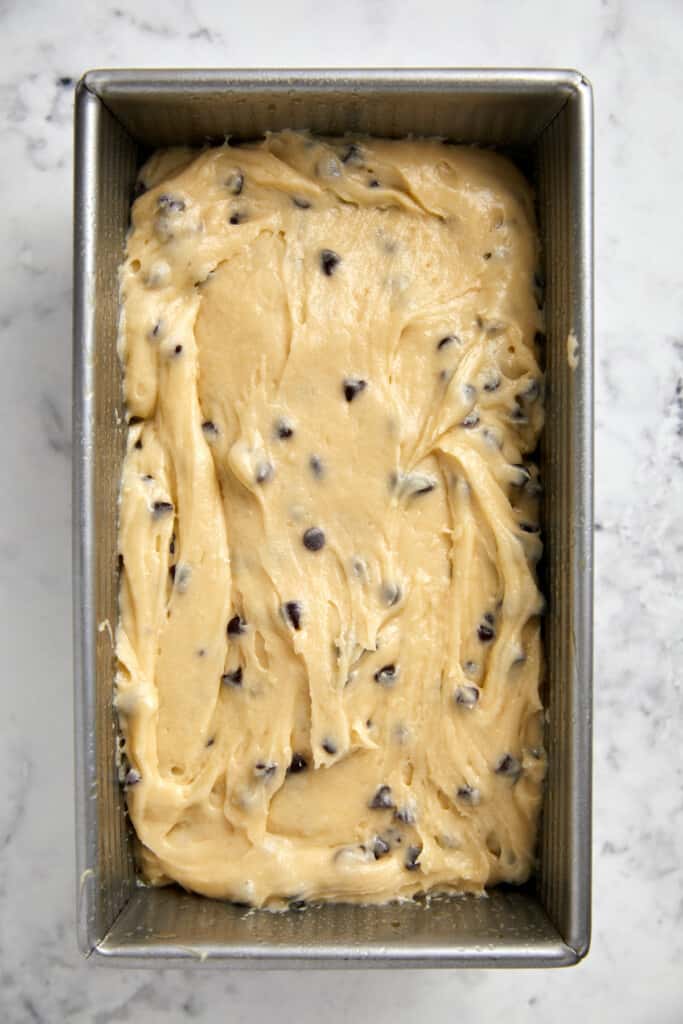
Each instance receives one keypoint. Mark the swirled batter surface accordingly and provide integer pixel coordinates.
(329, 653)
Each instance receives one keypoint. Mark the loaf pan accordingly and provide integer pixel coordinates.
(544, 120)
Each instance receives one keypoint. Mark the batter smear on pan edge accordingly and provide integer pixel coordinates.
(329, 653)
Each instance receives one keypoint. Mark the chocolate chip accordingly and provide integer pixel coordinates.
(236, 626)
(406, 815)
(265, 769)
(314, 539)
(329, 746)
(233, 678)
(351, 154)
(353, 386)
(411, 862)
(467, 695)
(264, 472)
(509, 766)
(485, 632)
(119, 563)
(316, 466)
(539, 338)
(297, 905)
(391, 594)
(529, 528)
(284, 429)
(138, 445)
(161, 508)
(487, 255)
(293, 611)
(209, 429)
(530, 392)
(380, 847)
(201, 653)
(235, 183)
(211, 742)
(147, 478)
(373, 183)
(182, 577)
(468, 795)
(300, 203)
(492, 384)
(157, 331)
(237, 218)
(178, 349)
(470, 420)
(171, 570)
(329, 261)
(448, 340)
(382, 800)
(132, 420)
(171, 203)
(297, 764)
(414, 484)
(386, 675)
(132, 777)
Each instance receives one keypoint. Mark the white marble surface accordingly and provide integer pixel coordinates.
(632, 52)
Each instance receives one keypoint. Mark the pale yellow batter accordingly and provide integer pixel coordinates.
(329, 653)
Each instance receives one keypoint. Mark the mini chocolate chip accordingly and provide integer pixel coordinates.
(353, 386)
(182, 577)
(316, 466)
(293, 611)
(485, 632)
(132, 420)
(380, 847)
(297, 764)
(390, 594)
(264, 472)
(235, 183)
(211, 742)
(166, 202)
(132, 777)
(411, 862)
(138, 445)
(373, 183)
(467, 695)
(382, 800)
(487, 255)
(201, 653)
(352, 153)
(539, 338)
(470, 420)
(406, 815)
(329, 261)
(297, 905)
(233, 678)
(236, 626)
(386, 675)
(237, 218)
(265, 769)
(529, 528)
(530, 392)
(171, 570)
(509, 766)
(492, 384)
(329, 746)
(161, 508)
(147, 478)
(284, 429)
(468, 795)
(448, 340)
(178, 349)
(489, 617)
(300, 203)
(414, 484)
(209, 429)
(157, 330)
(518, 416)
(65, 81)
(119, 563)
(314, 539)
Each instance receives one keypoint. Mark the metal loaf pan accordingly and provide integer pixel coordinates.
(544, 118)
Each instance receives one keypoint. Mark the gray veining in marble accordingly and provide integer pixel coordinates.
(633, 52)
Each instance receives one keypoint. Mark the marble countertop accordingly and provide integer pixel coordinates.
(633, 54)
